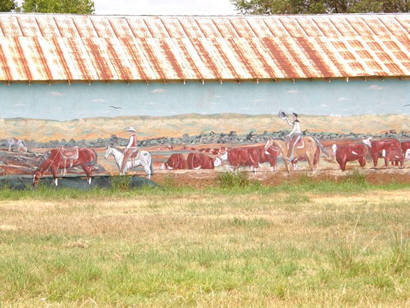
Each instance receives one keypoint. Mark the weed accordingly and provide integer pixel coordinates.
(233, 179)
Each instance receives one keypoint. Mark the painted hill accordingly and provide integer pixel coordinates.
(193, 124)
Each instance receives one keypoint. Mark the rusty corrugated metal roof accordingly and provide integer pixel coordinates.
(36, 47)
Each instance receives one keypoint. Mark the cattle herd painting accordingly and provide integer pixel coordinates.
(147, 130)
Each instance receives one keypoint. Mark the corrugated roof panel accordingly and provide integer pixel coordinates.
(148, 45)
(351, 58)
(191, 27)
(171, 67)
(137, 59)
(7, 72)
(335, 66)
(242, 28)
(189, 69)
(251, 58)
(359, 26)
(85, 26)
(47, 26)
(341, 27)
(275, 26)
(28, 25)
(36, 47)
(207, 27)
(404, 21)
(327, 27)
(20, 60)
(102, 27)
(52, 60)
(138, 27)
(292, 26)
(395, 27)
(377, 28)
(282, 58)
(97, 50)
(173, 27)
(234, 59)
(17, 61)
(309, 26)
(32, 60)
(297, 53)
(214, 66)
(225, 27)
(259, 27)
(80, 65)
(197, 61)
(156, 27)
(119, 60)
(120, 26)
(9, 25)
(268, 62)
(66, 26)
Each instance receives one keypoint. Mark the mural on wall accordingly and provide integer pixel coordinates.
(119, 128)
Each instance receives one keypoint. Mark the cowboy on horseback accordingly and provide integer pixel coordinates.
(131, 147)
(295, 134)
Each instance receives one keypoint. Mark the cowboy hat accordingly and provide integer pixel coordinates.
(131, 129)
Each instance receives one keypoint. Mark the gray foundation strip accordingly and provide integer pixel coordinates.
(75, 182)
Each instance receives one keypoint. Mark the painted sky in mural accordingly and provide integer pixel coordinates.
(63, 102)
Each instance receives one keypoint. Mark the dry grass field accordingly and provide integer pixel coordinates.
(234, 245)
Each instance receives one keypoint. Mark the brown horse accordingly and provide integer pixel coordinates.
(61, 158)
(306, 149)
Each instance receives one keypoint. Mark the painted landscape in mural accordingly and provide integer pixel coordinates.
(271, 130)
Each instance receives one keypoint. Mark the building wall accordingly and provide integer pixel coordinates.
(47, 116)
(67, 102)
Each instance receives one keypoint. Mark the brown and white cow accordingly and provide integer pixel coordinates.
(395, 156)
(405, 147)
(198, 161)
(252, 156)
(383, 148)
(193, 161)
(349, 152)
(175, 161)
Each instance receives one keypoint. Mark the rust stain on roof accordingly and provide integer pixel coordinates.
(37, 47)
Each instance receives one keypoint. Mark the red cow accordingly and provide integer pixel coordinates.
(405, 147)
(270, 155)
(249, 157)
(382, 147)
(395, 156)
(349, 152)
(201, 161)
(175, 161)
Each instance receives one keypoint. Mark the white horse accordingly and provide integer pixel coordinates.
(18, 144)
(143, 158)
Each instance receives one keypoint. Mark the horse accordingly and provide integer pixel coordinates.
(309, 150)
(140, 158)
(18, 144)
(61, 158)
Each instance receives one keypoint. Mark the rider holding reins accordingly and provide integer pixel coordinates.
(294, 136)
(131, 147)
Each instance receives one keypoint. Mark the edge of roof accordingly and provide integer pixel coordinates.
(195, 15)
